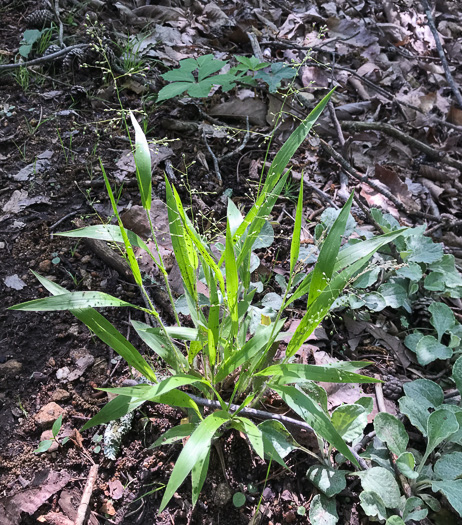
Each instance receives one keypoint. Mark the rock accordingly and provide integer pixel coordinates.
(45, 265)
(10, 368)
(48, 414)
(223, 494)
(62, 373)
(82, 364)
(60, 395)
(48, 434)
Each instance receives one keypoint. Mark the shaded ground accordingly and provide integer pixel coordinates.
(52, 134)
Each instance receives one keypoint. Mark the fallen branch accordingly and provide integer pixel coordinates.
(42, 60)
(364, 178)
(407, 139)
(261, 414)
(431, 24)
(87, 492)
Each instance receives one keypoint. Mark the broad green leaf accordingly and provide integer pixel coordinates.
(431, 502)
(324, 268)
(449, 466)
(414, 509)
(395, 295)
(149, 392)
(392, 432)
(103, 329)
(373, 505)
(406, 464)
(179, 75)
(428, 349)
(382, 482)
(233, 216)
(253, 433)
(349, 421)
(57, 426)
(172, 90)
(295, 373)
(457, 374)
(412, 271)
(115, 409)
(452, 489)
(323, 511)
(208, 66)
(330, 481)
(174, 434)
(315, 417)
(142, 157)
(440, 425)
(178, 398)
(277, 440)
(415, 411)
(295, 244)
(423, 250)
(442, 318)
(193, 451)
(427, 393)
(71, 301)
(44, 446)
(394, 520)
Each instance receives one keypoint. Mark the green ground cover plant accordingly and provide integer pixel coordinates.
(220, 355)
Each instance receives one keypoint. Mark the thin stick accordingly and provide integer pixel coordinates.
(42, 60)
(261, 414)
(87, 492)
(215, 160)
(407, 139)
(439, 47)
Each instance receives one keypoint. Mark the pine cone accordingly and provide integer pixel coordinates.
(420, 314)
(393, 388)
(51, 49)
(78, 92)
(73, 59)
(39, 19)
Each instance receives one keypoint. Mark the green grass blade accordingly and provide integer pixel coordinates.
(312, 414)
(128, 247)
(174, 434)
(199, 473)
(145, 392)
(320, 307)
(103, 329)
(250, 429)
(299, 373)
(180, 246)
(142, 157)
(115, 409)
(159, 344)
(295, 244)
(348, 256)
(232, 281)
(193, 451)
(71, 301)
(325, 264)
(282, 159)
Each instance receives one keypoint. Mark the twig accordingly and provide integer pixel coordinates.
(215, 160)
(365, 179)
(379, 397)
(61, 29)
(431, 24)
(42, 60)
(342, 176)
(57, 223)
(87, 492)
(241, 146)
(256, 46)
(396, 133)
(261, 414)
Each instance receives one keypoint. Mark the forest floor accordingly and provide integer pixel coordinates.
(59, 119)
